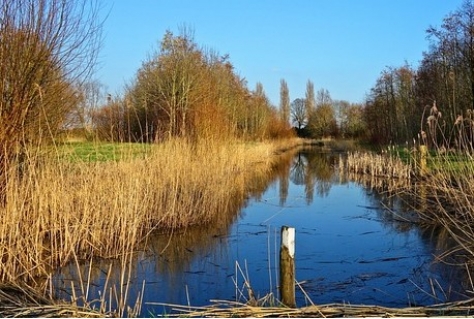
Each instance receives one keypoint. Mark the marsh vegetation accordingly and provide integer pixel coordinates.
(88, 178)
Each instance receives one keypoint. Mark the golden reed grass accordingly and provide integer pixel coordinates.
(376, 165)
(230, 309)
(57, 210)
(446, 198)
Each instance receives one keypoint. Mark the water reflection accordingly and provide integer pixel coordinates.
(356, 243)
(313, 170)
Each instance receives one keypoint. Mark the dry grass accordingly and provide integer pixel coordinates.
(446, 198)
(230, 309)
(16, 301)
(57, 210)
(376, 165)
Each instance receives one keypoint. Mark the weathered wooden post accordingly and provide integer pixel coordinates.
(287, 266)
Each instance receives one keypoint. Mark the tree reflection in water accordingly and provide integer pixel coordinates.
(315, 171)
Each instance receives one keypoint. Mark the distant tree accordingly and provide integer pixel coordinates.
(298, 113)
(322, 120)
(323, 98)
(352, 120)
(284, 101)
(392, 107)
(179, 63)
(310, 101)
(169, 89)
(89, 96)
(379, 110)
(260, 112)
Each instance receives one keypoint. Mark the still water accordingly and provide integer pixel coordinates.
(352, 246)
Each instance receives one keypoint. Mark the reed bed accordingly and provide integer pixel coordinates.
(230, 309)
(376, 165)
(57, 211)
(447, 195)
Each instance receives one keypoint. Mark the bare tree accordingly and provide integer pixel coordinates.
(324, 98)
(298, 113)
(322, 120)
(46, 48)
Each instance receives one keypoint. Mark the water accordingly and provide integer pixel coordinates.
(351, 246)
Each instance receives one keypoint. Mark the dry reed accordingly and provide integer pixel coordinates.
(446, 198)
(230, 309)
(16, 301)
(56, 210)
(376, 165)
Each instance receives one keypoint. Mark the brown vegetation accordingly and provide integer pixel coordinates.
(228, 309)
(376, 165)
(186, 91)
(59, 209)
(46, 48)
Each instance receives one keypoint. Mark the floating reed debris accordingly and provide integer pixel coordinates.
(23, 301)
(227, 309)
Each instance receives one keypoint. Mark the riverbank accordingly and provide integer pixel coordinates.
(437, 186)
(59, 211)
(186, 253)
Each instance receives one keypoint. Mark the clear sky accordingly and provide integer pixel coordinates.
(340, 45)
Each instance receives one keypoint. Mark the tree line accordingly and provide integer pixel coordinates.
(186, 91)
(48, 49)
(433, 103)
(319, 116)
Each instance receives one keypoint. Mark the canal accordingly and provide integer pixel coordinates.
(354, 244)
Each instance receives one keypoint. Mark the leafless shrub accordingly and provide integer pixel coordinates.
(46, 47)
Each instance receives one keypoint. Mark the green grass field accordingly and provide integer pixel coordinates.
(448, 162)
(102, 151)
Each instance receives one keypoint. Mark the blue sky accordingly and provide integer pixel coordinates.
(340, 45)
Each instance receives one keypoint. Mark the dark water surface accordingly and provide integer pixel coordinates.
(351, 246)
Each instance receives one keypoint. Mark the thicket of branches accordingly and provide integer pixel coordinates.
(435, 101)
(186, 91)
(47, 48)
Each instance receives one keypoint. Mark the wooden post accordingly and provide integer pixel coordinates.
(287, 266)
